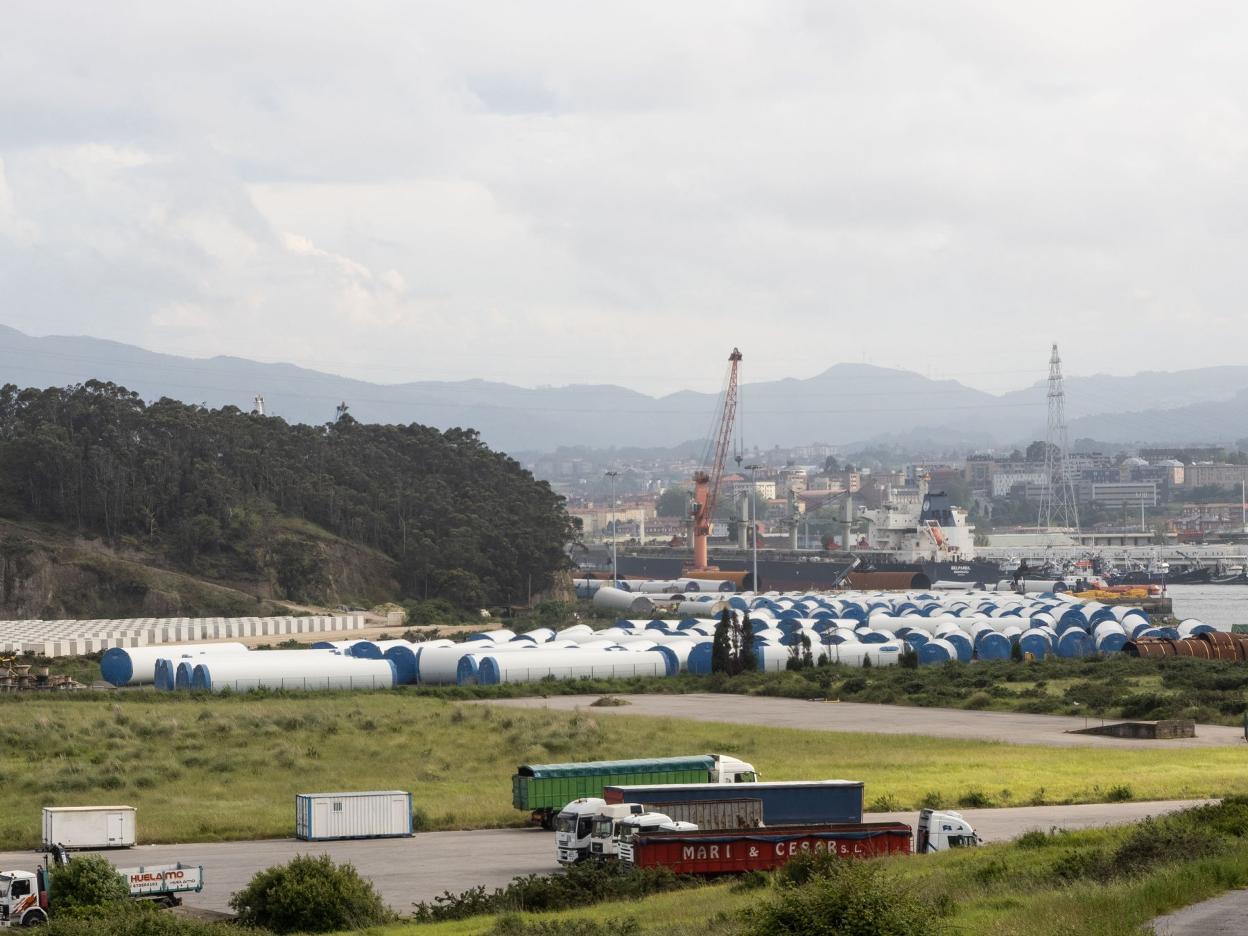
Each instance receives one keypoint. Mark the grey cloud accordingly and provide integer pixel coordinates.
(569, 192)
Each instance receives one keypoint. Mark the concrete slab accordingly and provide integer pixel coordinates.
(1226, 915)
(1011, 727)
(426, 865)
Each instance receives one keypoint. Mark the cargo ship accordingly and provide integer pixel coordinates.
(916, 539)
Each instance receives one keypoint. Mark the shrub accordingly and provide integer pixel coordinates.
(1229, 817)
(1119, 793)
(511, 924)
(990, 870)
(1083, 864)
(829, 897)
(89, 881)
(1038, 838)
(138, 919)
(885, 803)
(1154, 842)
(975, 799)
(1096, 696)
(751, 880)
(310, 894)
(979, 700)
(579, 886)
(932, 799)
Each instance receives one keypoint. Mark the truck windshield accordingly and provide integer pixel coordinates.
(602, 828)
(4, 886)
(565, 822)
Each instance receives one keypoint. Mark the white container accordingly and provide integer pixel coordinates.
(88, 826)
(376, 814)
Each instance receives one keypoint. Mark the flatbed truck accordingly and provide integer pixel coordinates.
(25, 900)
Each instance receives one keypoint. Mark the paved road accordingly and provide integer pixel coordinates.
(422, 867)
(1012, 727)
(1222, 916)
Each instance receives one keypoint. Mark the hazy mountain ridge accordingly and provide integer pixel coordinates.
(845, 404)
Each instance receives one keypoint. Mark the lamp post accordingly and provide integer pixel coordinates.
(615, 569)
(754, 516)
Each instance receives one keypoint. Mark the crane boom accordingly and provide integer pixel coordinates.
(706, 482)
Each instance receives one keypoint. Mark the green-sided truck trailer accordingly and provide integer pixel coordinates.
(544, 789)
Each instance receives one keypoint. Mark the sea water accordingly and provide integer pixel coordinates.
(1219, 605)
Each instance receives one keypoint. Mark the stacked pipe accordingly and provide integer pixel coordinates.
(1206, 645)
(851, 628)
(137, 666)
(940, 627)
(588, 587)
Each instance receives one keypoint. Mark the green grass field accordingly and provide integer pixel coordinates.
(218, 768)
(1119, 686)
(1051, 886)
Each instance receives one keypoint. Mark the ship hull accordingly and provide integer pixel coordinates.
(815, 572)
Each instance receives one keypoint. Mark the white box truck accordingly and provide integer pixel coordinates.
(77, 827)
(373, 814)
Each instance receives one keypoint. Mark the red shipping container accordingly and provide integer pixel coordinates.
(732, 852)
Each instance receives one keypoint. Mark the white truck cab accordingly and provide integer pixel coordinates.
(575, 824)
(628, 827)
(607, 827)
(573, 828)
(23, 898)
(730, 770)
(940, 831)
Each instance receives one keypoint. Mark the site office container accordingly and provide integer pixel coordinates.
(546, 787)
(89, 826)
(373, 814)
(763, 849)
(784, 803)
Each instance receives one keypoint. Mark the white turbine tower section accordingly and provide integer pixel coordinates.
(1057, 501)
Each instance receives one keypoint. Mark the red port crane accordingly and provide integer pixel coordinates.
(706, 480)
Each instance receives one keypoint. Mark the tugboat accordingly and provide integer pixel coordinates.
(1226, 574)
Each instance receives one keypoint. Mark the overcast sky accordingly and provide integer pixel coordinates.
(550, 193)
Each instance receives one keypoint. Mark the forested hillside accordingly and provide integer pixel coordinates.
(240, 498)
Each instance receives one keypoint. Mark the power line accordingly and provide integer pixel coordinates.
(1057, 500)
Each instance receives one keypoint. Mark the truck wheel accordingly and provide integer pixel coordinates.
(35, 918)
(548, 822)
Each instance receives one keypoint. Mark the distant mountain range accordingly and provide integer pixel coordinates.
(844, 405)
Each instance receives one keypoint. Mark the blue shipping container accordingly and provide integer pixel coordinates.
(785, 803)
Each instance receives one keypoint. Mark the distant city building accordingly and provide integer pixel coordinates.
(1119, 494)
(764, 490)
(1195, 476)
(596, 521)
(1004, 482)
(1185, 454)
(790, 479)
